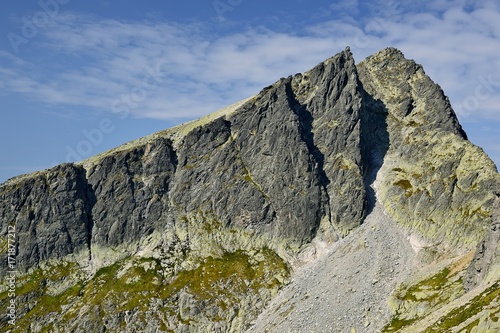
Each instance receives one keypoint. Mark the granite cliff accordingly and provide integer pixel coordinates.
(204, 226)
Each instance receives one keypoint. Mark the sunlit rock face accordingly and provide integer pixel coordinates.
(198, 228)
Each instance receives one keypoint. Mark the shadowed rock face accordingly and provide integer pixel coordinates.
(294, 164)
(52, 214)
(292, 157)
(132, 188)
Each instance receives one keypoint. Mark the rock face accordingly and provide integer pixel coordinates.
(52, 213)
(433, 180)
(198, 227)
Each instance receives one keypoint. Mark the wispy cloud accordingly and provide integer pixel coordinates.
(196, 73)
(457, 42)
(99, 61)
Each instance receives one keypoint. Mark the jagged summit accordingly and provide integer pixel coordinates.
(390, 65)
(198, 227)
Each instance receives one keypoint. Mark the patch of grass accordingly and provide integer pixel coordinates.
(469, 327)
(417, 176)
(209, 280)
(29, 283)
(190, 166)
(105, 286)
(131, 284)
(494, 316)
(434, 290)
(45, 306)
(344, 163)
(413, 123)
(246, 177)
(396, 324)
(286, 312)
(407, 187)
(434, 283)
(4, 246)
(127, 289)
(472, 308)
(404, 184)
(35, 282)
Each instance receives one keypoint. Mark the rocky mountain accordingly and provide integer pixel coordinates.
(343, 199)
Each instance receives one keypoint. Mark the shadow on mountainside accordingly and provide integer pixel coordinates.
(374, 143)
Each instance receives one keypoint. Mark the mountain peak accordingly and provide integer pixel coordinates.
(406, 90)
(390, 52)
(324, 173)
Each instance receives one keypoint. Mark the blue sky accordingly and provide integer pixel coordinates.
(78, 78)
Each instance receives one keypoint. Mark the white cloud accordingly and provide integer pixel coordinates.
(458, 49)
(456, 41)
(198, 73)
(347, 6)
(105, 61)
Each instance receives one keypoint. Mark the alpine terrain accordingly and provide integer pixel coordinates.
(344, 199)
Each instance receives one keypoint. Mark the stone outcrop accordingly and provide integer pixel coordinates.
(52, 214)
(433, 180)
(197, 228)
(485, 266)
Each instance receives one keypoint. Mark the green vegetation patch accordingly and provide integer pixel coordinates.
(431, 287)
(404, 184)
(247, 177)
(469, 310)
(34, 286)
(238, 270)
(37, 280)
(133, 284)
(4, 246)
(412, 303)
(126, 284)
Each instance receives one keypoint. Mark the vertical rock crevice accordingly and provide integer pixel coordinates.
(270, 142)
(90, 200)
(374, 143)
(305, 120)
(329, 103)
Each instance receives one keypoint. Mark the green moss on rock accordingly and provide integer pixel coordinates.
(480, 303)
(223, 288)
(413, 302)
